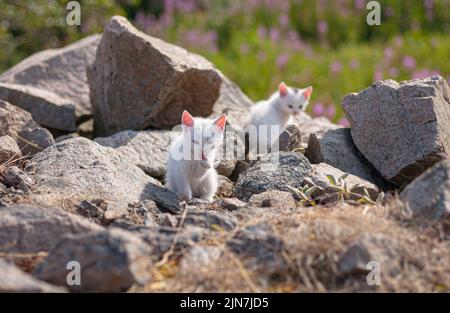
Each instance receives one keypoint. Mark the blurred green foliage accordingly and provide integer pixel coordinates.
(258, 43)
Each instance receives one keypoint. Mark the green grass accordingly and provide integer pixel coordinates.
(260, 78)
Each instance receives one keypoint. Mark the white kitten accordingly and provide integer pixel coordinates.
(190, 164)
(277, 110)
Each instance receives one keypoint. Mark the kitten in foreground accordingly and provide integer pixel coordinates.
(190, 164)
(277, 110)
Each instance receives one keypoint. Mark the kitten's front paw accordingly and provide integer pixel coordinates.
(183, 198)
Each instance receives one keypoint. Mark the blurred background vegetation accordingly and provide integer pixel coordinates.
(258, 43)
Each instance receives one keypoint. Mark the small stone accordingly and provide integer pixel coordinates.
(231, 204)
(18, 124)
(274, 171)
(226, 187)
(110, 261)
(290, 139)
(273, 199)
(381, 249)
(260, 247)
(429, 194)
(31, 229)
(15, 281)
(241, 166)
(8, 149)
(15, 177)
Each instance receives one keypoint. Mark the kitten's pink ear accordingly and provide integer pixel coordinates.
(282, 89)
(307, 92)
(187, 119)
(221, 121)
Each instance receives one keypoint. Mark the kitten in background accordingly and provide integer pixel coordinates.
(277, 111)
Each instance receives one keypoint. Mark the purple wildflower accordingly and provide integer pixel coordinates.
(388, 53)
(274, 34)
(378, 75)
(359, 4)
(322, 27)
(262, 32)
(330, 111)
(336, 67)
(354, 64)
(245, 48)
(409, 62)
(261, 56)
(282, 60)
(283, 20)
(344, 122)
(393, 72)
(318, 109)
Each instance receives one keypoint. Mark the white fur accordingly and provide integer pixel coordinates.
(193, 175)
(277, 110)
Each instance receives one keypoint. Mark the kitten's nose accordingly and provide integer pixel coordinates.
(296, 113)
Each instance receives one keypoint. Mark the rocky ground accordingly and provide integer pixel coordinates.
(84, 133)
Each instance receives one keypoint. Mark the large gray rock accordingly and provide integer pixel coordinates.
(319, 176)
(46, 108)
(14, 280)
(60, 71)
(309, 125)
(110, 261)
(336, 147)
(8, 149)
(285, 170)
(274, 171)
(429, 194)
(402, 129)
(145, 149)
(139, 81)
(31, 229)
(19, 124)
(79, 169)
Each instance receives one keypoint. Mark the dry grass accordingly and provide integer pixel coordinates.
(416, 258)
(19, 161)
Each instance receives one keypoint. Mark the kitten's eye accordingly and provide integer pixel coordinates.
(290, 106)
